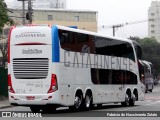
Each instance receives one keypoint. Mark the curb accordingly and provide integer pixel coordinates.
(7, 106)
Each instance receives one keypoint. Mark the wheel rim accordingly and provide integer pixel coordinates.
(127, 99)
(87, 101)
(77, 102)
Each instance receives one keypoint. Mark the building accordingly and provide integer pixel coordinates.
(39, 4)
(154, 20)
(50, 4)
(83, 19)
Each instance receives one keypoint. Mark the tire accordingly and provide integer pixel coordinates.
(132, 101)
(35, 109)
(136, 95)
(77, 103)
(126, 102)
(88, 101)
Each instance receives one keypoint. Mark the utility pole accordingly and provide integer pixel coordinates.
(23, 14)
(116, 26)
(23, 11)
(30, 11)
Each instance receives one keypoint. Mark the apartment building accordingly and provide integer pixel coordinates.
(154, 20)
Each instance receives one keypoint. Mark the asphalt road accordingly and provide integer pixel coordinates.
(151, 104)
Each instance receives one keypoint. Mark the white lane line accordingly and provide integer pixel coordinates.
(140, 106)
(155, 90)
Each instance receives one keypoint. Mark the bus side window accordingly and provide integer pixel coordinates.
(82, 38)
(71, 37)
(65, 36)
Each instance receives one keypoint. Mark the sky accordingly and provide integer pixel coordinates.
(113, 12)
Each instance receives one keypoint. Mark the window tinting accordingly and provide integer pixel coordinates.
(81, 38)
(138, 50)
(77, 42)
(105, 76)
(100, 76)
(111, 47)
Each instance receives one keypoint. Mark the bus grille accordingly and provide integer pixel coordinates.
(30, 68)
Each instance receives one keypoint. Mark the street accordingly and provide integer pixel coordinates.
(150, 104)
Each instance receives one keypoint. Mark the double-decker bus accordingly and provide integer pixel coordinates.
(53, 66)
(148, 76)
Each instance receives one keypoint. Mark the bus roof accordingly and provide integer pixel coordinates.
(93, 33)
(77, 30)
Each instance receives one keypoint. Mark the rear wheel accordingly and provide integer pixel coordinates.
(88, 101)
(132, 101)
(126, 102)
(35, 109)
(77, 102)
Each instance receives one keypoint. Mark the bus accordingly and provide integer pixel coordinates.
(54, 66)
(148, 76)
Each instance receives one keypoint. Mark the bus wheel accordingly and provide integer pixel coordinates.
(77, 102)
(132, 101)
(88, 101)
(126, 102)
(35, 109)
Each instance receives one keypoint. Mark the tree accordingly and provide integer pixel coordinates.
(4, 18)
(3, 49)
(151, 51)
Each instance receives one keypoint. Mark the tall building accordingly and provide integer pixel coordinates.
(154, 20)
(39, 4)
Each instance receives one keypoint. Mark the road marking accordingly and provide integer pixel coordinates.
(155, 90)
(152, 98)
(140, 106)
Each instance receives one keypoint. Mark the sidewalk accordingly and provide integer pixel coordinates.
(4, 104)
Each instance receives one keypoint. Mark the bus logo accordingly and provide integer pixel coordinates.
(31, 51)
(30, 34)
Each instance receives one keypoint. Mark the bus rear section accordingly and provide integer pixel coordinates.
(30, 78)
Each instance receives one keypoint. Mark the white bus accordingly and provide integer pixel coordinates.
(53, 66)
